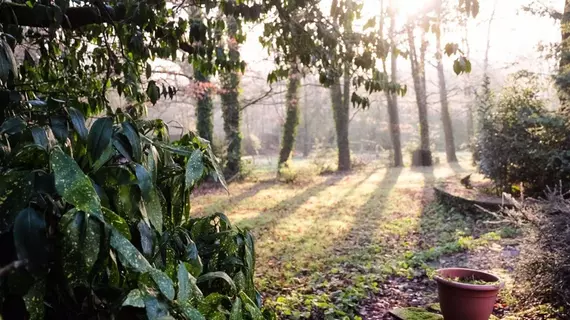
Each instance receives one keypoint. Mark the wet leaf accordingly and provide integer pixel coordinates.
(194, 169)
(210, 276)
(30, 239)
(151, 201)
(237, 313)
(128, 254)
(117, 222)
(164, 283)
(81, 241)
(190, 312)
(12, 126)
(73, 185)
(134, 140)
(99, 137)
(155, 309)
(78, 122)
(135, 298)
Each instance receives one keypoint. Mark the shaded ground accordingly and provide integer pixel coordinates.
(353, 244)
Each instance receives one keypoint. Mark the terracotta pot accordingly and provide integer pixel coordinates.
(462, 301)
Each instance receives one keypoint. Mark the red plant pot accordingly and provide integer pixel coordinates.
(463, 301)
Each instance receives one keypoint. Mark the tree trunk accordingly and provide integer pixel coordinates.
(563, 79)
(392, 98)
(291, 121)
(307, 135)
(231, 112)
(421, 157)
(340, 113)
(445, 117)
(204, 112)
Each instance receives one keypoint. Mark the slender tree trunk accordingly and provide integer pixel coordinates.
(340, 113)
(563, 80)
(445, 117)
(421, 157)
(392, 98)
(306, 140)
(291, 121)
(204, 112)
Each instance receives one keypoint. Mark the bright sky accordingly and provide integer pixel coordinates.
(514, 39)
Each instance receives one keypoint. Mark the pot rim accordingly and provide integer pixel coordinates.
(467, 286)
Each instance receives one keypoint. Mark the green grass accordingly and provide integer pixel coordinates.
(326, 243)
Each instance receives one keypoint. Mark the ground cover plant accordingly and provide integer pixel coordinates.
(346, 246)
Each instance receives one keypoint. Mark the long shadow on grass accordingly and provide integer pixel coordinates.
(271, 216)
(224, 205)
(369, 216)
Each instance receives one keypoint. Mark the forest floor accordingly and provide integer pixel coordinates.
(361, 243)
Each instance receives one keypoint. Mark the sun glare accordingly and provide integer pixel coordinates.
(405, 8)
(409, 8)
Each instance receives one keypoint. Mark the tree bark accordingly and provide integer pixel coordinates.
(291, 121)
(445, 117)
(231, 112)
(563, 79)
(392, 98)
(204, 112)
(422, 156)
(340, 113)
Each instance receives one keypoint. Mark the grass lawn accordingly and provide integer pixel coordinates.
(329, 243)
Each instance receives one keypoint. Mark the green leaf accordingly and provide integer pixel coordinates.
(251, 307)
(73, 185)
(34, 300)
(59, 127)
(187, 288)
(135, 298)
(12, 126)
(190, 312)
(194, 169)
(117, 222)
(43, 137)
(151, 201)
(155, 309)
(78, 122)
(467, 66)
(192, 259)
(128, 254)
(152, 162)
(153, 92)
(15, 190)
(237, 313)
(183, 283)
(210, 276)
(30, 239)
(134, 139)
(99, 137)
(107, 155)
(81, 242)
(457, 67)
(163, 282)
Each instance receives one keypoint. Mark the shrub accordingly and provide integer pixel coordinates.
(522, 143)
(96, 224)
(544, 273)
